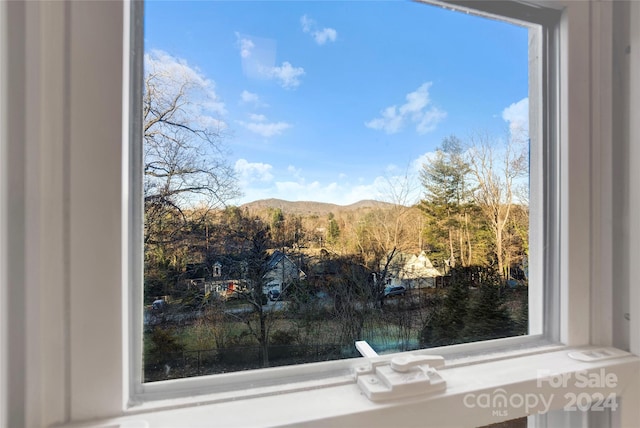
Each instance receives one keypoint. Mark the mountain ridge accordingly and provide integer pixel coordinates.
(312, 207)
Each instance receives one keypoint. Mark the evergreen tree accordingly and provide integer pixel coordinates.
(277, 226)
(522, 321)
(333, 231)
(447, 199)
(447, 325)
(488, 317)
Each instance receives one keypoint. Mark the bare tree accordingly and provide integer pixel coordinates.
(387, 231)
(250, 239)
(497, 168)
(184, 159)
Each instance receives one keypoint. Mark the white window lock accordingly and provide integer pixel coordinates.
(403, 376)
(598, 354)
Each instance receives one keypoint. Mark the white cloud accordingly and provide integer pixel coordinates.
(416, 110)
(211, 123)
(260, 125)
(416, 165)
(252, 99)
(258, 117)
(517, 116)
(249, 172)
(286, 74)
(339, 192)
(307, 23)
(266, 129)
(261, 181)
(175, 77)
(332, 192)
(430, 120)
(259, 62)
(322, 36)
(296, 172)
(390, 122)
(391, 168)
(249, 97)
(245, 45)
(365, 191)
(291, 185)
(297, 188)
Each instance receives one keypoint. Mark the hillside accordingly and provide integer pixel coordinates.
(310, 207)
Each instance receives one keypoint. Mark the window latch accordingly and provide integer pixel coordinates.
(402, 376)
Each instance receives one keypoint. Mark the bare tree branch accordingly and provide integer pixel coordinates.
(184, 159)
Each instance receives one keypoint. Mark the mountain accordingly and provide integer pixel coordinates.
(310, 207)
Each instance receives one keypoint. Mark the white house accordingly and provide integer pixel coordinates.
(412, 271)
(418, 272)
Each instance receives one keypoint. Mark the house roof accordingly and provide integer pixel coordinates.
(279, 256)
(419, 267)
(412, 266)
(275, 258)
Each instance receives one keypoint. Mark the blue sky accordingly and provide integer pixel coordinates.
(332, 101)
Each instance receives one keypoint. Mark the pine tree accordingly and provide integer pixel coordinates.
(333, 231)
(488, 317)
(447, 325)
(447, 196)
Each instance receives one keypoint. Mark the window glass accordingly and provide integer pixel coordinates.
(317, 173)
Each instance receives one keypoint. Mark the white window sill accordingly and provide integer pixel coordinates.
(468, 384)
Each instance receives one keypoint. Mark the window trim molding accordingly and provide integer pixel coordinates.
(575, 168)
(133, 254)
(634, 180)
(142, 392)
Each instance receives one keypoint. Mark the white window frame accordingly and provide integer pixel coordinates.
(65, 252)
(546, 135)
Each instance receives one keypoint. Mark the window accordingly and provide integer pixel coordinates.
(65, 77)
(162, 343)
(329, 266)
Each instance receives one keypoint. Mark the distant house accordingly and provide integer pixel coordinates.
(282, 271)
(412, 271)
(224, 288)
(418, 272)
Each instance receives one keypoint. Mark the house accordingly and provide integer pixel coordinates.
(418, 272)
(412, 271)
(221, 285)
(282, 272)
(224, 288)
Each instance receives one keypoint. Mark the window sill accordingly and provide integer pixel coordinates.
(289, 379)
(518, 378)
